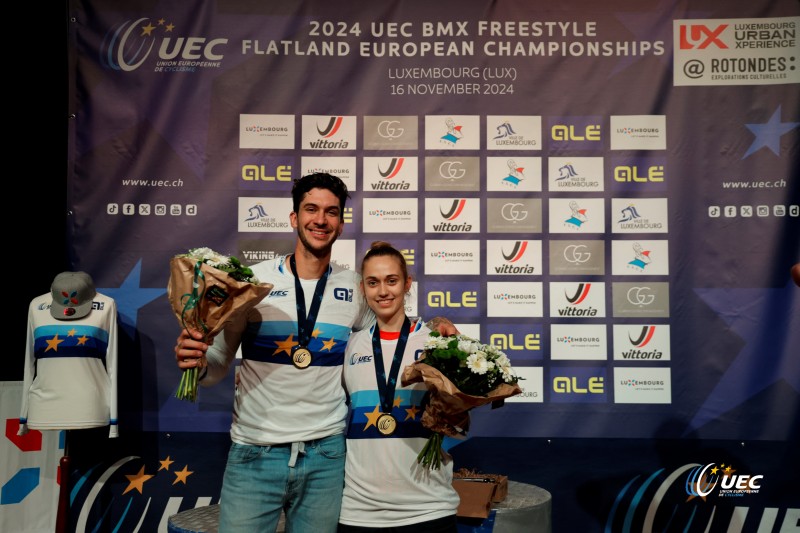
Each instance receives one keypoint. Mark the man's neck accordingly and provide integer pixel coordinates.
(309, 266)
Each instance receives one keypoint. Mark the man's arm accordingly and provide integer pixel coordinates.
(443, 325)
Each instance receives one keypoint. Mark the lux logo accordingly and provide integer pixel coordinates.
(696, 32)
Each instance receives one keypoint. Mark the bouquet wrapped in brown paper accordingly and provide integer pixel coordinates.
(207, 290)
(461, 373)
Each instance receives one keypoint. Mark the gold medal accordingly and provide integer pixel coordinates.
(301, 357)
(386, 424)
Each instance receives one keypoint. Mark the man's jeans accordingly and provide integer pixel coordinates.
(305, 479)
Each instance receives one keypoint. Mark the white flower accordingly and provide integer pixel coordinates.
(478, 364)
(467, 345)
(506, 370)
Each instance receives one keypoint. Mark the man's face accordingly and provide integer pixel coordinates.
(318, 221)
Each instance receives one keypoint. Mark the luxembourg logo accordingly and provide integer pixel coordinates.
(515, 175)
(577, 216)
(507, 136)
(453, 134)
(566, 171)
(641, 258)
(504, 130)
(629, 213)
(128, 45)
(703, 480)
(257, 217)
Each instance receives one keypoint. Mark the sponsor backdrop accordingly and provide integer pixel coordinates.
(609, 192)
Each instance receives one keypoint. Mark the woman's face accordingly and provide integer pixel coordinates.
(384, 286)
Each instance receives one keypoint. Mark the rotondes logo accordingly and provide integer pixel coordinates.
(128, 45)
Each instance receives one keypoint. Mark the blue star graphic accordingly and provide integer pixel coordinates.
(130, 298)
(768, 320)
(769, 134)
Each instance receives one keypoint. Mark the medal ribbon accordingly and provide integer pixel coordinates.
(386, 387)
(305, 323)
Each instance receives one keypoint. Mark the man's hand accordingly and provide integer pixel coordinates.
(443, 326)
(190, 350)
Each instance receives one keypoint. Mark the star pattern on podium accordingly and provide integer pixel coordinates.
(137, 480)
(165, 463)
(181, 475)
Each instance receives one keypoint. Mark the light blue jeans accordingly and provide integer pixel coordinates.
(305, 480)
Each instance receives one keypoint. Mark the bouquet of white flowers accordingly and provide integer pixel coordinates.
(461, 373)
(206, 291)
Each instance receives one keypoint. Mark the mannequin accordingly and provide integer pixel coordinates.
(70, 358)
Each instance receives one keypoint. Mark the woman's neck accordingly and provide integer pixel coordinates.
(393, 324)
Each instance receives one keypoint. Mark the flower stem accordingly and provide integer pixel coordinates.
(431, 454)
(187, 388)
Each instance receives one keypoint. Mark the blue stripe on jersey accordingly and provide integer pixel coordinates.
(70, 341)
(370, 398)
(67, 329)
(408, 423)
(268, 342)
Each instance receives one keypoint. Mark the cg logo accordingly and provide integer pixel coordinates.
(694, 69)
(513, 212)
(452, 170)
(573, 254)
(389, 129)
(640, 296)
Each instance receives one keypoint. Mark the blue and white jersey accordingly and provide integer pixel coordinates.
(70, 379)
(384, 485)
(275, 402)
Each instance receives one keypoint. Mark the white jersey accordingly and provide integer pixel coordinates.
(384, 484)
(275, 402)
(70, 379)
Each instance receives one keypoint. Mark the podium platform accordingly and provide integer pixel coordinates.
(525, 508)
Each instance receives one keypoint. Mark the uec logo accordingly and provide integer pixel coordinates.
(129, 46)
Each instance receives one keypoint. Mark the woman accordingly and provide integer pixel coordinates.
(385, 489)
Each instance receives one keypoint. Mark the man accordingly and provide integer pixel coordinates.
(288, 446)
